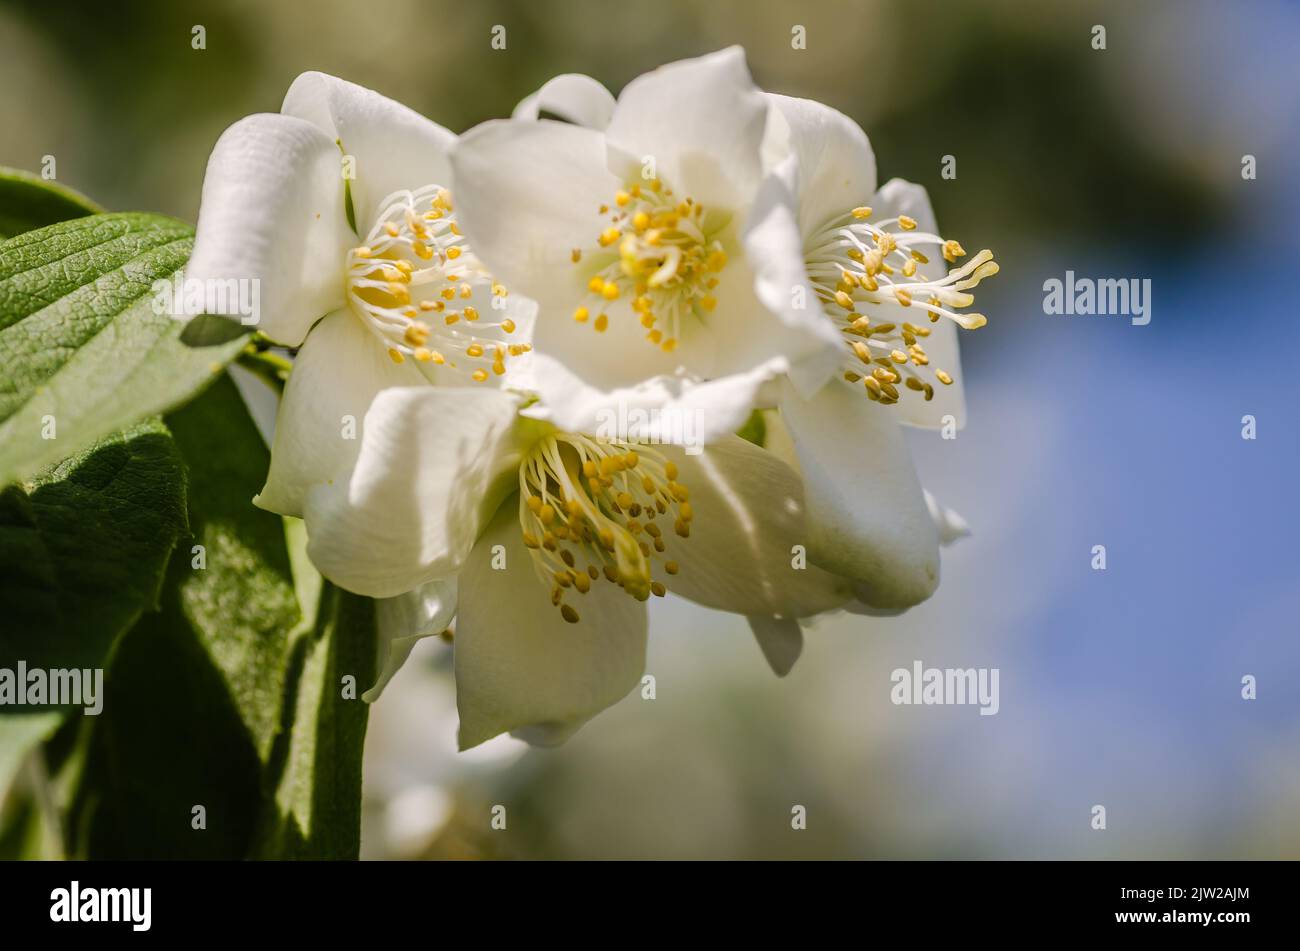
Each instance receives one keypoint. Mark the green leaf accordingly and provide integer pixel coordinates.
(83, 548)
(207, 330)
(226, 697)
(222, 640)
(315, 812)
(28, 201)
(172, 739)
(242, 606)
(169, 739)
(242, 693)
(84, 349)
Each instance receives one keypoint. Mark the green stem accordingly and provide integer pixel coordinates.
(271, 367)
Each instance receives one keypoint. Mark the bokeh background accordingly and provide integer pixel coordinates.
(1119, 687)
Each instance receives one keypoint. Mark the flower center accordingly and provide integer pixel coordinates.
(864, 271)
(665, 254)
(418, 287)
(590, 509)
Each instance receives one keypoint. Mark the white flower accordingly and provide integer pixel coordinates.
(680, 245)
(873, 265)
(839, 276)
(871, 260)
(402, 283)
(633, 237)
(557, 539)
(339, 207)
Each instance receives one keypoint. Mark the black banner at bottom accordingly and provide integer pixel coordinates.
(369, 901)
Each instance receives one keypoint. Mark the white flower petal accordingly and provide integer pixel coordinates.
(662, 409)
(522, 311)
(774, 249)
(433, 465)
(780, 640)
(571, 96)
(836, 167)
(867, 516)
(403, 620)
(520, 667)
(336, 376)
(527, 194)
(949, 524)
(395, 147)
(748, 519)
(900, 197)
(272, 211)
(702, 120)
(621, 355)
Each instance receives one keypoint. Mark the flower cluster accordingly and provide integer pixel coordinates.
(471, 313)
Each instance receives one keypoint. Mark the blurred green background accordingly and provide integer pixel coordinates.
(1014, 88)
(1120, 690)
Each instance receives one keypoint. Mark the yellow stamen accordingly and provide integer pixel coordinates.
(586, 511)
